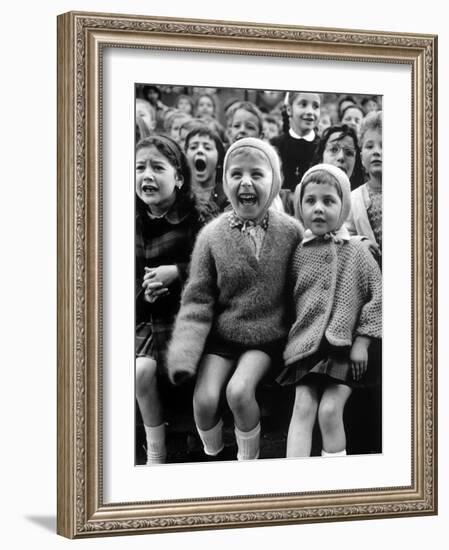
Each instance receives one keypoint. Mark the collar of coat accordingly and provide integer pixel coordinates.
(338, 236)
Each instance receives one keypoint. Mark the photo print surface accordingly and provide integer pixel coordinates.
(258, 285)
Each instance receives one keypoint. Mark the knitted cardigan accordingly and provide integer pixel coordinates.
(337, 295)
(230, 293)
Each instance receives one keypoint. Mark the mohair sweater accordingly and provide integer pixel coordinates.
(337, 295)
(230, 293)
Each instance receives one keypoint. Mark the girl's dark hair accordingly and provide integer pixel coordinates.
(175, 156)
(285, 119)
(358, 175)
(202, 130)
(320, 176)
(150, 88)
(352, 106)
(342, 100)
(369, 98)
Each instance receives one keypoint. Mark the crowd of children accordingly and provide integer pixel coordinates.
(258, 255)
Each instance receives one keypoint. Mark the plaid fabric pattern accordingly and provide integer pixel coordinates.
(167, 240)
(331, 364)
(329, 361)
(152, 339)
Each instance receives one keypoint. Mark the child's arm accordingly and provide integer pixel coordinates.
(195, 316)
(359, 356)
(370, 245)
(370, 319)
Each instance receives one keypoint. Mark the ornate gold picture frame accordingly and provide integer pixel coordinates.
(83, 511)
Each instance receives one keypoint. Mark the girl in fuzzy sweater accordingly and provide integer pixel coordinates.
(338, 300)
(233, 319)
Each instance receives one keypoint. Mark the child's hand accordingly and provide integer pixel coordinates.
(372, 247)
(165, 274)
(359, 357)
(154, 290)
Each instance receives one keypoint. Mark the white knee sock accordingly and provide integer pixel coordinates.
(338, 453)
(212, 439)
(248, 443)
(156, 451)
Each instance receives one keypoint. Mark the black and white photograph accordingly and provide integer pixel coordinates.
(239, 345)
(258, 274)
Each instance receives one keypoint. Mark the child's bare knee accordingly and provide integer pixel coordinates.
(304, 409)
(238, 394)
(305, 406)
(146, 369)
(329, 415)
(205, 403)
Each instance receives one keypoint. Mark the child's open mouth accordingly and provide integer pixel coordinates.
(147, 188)
(247, 199)
(200, 165)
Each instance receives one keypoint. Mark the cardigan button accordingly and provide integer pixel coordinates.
(326, 285)
(328, 258)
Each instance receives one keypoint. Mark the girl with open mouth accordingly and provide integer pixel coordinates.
(233, 321)
(167, 222)
(205, 154)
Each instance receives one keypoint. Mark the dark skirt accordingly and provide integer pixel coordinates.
(231, 350)
(152, 338)
(331, 364)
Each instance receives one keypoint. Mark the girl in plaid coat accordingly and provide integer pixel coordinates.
(167, 221)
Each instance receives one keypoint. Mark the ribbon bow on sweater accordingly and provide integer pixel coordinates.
(337, 236)
(245, 225)
(254, 231)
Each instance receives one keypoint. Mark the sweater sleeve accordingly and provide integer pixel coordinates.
(195, 316)
(183, 269)
(370, 320)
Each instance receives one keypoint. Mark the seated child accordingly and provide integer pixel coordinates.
(338, 299)
(167, 222)
(234, 315)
